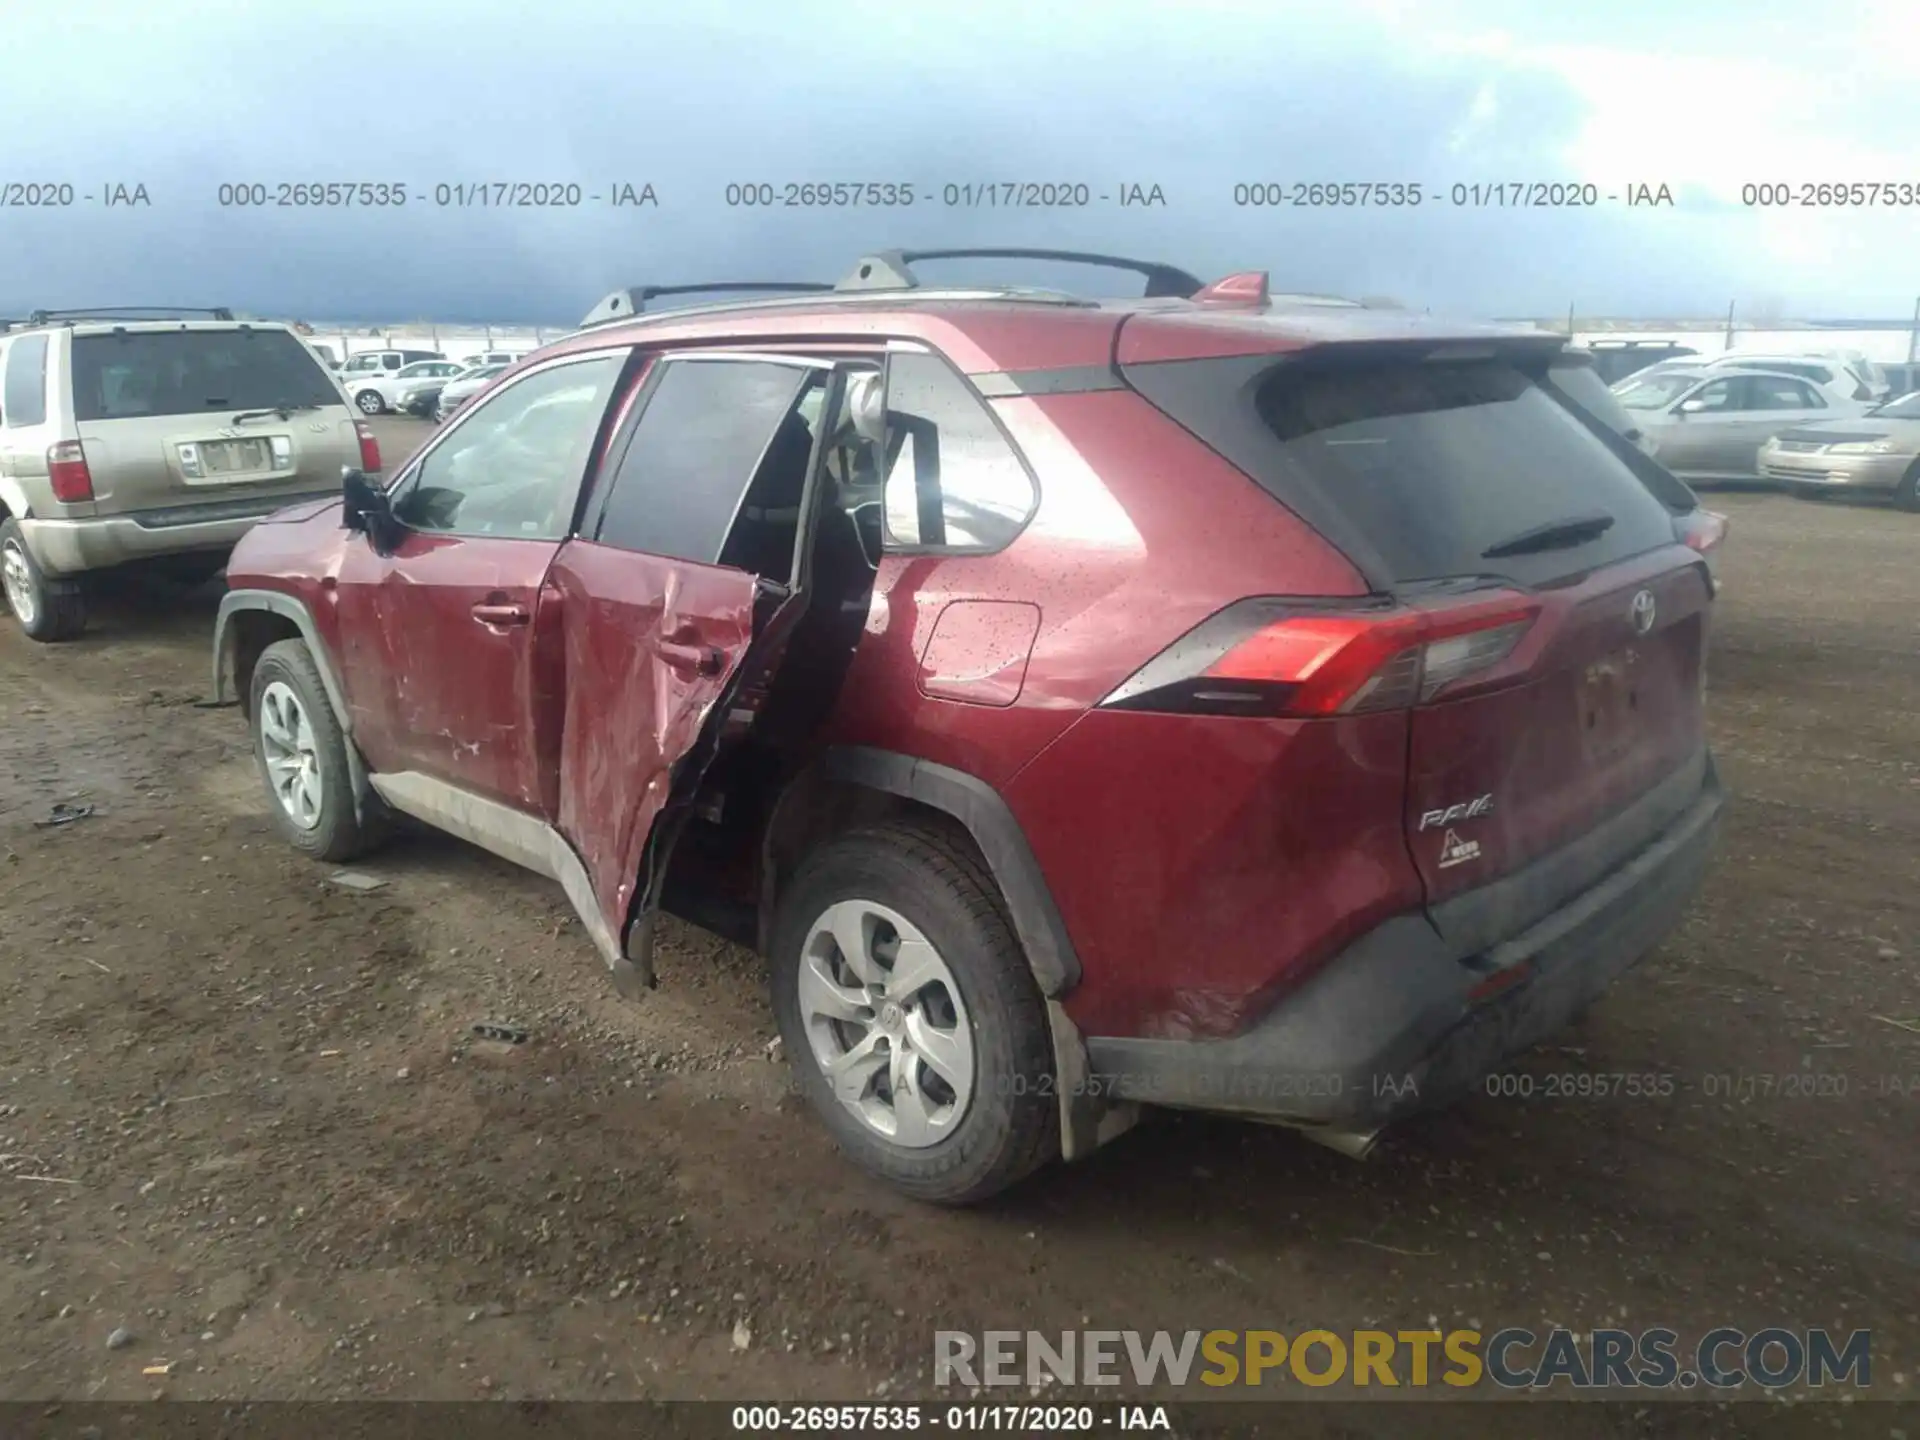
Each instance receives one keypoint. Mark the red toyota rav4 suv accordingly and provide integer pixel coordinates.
(1217, 700)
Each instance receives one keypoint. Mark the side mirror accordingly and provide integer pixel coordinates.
(1691, 407)
(367, 509)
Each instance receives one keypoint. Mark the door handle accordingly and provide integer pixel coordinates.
(701, 659)
(502, 614)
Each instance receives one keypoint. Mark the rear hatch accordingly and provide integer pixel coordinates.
(184, 415)
(1536, 613)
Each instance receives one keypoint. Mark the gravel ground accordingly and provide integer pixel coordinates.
(246, 1131)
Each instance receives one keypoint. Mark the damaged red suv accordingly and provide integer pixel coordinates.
(1217, 699)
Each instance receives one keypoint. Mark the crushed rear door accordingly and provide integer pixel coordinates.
(661, 639)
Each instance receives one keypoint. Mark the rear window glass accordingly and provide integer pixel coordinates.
(186, 372)
(1422, 470)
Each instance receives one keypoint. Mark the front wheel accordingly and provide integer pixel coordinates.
(1907, 493)
(302, 753)
(47, 609)
(370, 402)
(910, 1016)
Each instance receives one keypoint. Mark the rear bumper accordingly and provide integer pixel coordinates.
(1391, 1025)
(72, 547)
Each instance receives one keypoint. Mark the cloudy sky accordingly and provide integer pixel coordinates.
(1194, 96)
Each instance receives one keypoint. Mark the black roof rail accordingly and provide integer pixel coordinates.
(624, 304)
(129, 312)
(891, 269)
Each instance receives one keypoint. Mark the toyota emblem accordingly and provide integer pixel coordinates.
(1641, 612)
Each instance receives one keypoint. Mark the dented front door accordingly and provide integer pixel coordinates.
(438, 651)
(447, 640)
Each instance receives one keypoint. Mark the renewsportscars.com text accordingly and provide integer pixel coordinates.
(1511, 1359)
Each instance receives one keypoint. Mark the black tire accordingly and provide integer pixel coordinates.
(57, 607)
(1011, 1126)
(337, 834)
(1907, 493)
(370, 403)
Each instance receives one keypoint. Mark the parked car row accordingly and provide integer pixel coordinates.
(408, 381)
(1618, 360)
(1812, 423)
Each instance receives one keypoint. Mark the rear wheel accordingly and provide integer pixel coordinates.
(47, 609)
(370, 402)
(910, 1016)
(302, 753)
(1907, 493)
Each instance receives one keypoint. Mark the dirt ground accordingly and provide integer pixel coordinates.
(243, 1116)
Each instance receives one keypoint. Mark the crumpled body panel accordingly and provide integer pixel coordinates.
(650, 645)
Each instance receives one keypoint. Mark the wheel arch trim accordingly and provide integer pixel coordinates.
(1088, 1119)
(291, 608)
(985, 816)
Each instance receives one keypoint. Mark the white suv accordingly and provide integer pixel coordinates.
(1841, 378)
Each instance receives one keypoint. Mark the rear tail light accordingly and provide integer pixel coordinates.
(1702, 531)
(369, 447)
(1269, 657)
(68, 474)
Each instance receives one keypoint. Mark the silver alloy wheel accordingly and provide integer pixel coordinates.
(17, 580)
(370, 402)
(292, 758)
(886, 1023)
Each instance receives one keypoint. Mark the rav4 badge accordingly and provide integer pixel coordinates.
(1467, 810)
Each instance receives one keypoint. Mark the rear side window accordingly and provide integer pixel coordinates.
(188, 372)
(953, 481)
(24, 398)
(1420, 470)
(1780, 394)
(699, 442)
